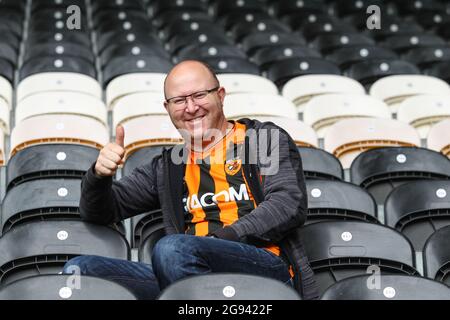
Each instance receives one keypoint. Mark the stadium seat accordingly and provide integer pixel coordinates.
(403, 43)
(209, 50)
(60, 49)
(381, 170)
(297, 8)
(133, 83)
(341, 249)
(329, 43)
(350, 7)
(439, 137)
(326, 25)
(323, 111)
(117, 38)
(50, 161)
(71, 103)
(248, 105)
(436, 256)
(228, 286)
(2, 150)
(7, 52)
(302, 134)
(301, 89)
(394, 89)
(338, 200)
(6, 91)
(141, 157)
(230, 19)
(44, 247)
(346, 57)
(138, 104)
(187, 27)
(266, 57)
(152, 49)
(37, 37)
(426, 57)
(4, 117)
(146, 131)
(417, 209)
(242, 29)
(7, 70)
(178, 42)
(424, 111)
(58, 82)
(254, 42)
(57, 287)
(147, 245)
(319, 164)
(47, 129)
(246, 83)
(221, 8)
(391, 287)
(393, 26)
(143, 226)
(348, 138)
(232, 65)
(117, 5)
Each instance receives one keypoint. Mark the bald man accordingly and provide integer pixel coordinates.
(223, 211)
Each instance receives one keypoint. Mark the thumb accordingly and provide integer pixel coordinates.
(120, 136)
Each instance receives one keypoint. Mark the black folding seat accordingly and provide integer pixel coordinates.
(114, 17)
(60, 49)
(326, 25)
(18, 6)
(418, 7)
(338, 200)
(244, 28)
(328, 43)
(133, 50)
(44, 247)
(160, 7)
(55, 26)
(144, 63)
(266, 57)
(351, 7)
(391, 287)
(11, 21)
(123, 37)
(394, 26)
(301, 9)
(436, 256)
(51, 15)
(196, 38)
(231, 19)
(130, 25)
(432, 20)
(147, 245)
(225, 7)
(341, 249)
(55, 287)
(170, 17)
(231, 65)
(66, 36)
(426, 57)
(367, 72)
(401, 44)
(144, 225)
(443, 30)
(185, 27)
(208, 50)
(440, 70)
(417, 209)
(298, 20)
(141, 157)
(57, 64)
(319, 164)
(100, 5)
(258, 41)
(228, 286)
(6, 70)
(285, 70)
(52, 4)
(381, 170)
(10, 38)
(345, 57)
(46, 161)
(8, 53)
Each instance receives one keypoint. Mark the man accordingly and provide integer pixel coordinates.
(221, 213)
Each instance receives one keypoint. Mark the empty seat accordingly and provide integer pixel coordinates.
(8, 53)
(232, 65)
(439, 137)
(381, 170)
(301, 89)
(62, 49)
(2, 149)
(246, 83)
(133, 83)
(346, 57)
(417, 209)
(247, 105)
(55, 287)
(254, 42)
(348, 138)
(323, 111)
(143, 226)
(178, 42)
(72, 103)
(58, 81)
(4, 117)
(394, 89)
(222, 8)
(338, 200)
(391, 287)
(159, 7)
(129, 50)
(341, 249)
(326, 24)
(285, 70)
(6, 70)
(44, 247)
(50, 161)
(426, 57)
(302, 134)
(393, 26)
(141, 157)
(186, 27)
(227, 286)
(424, 111)
(153, 130)
(244, 28)
(69, 129)
(329, 43)
(319, 164)
(266, 57)
(209, 50)
(6, 91)
(437, 256)
(147, 245)
(138, 104)
(403, 43)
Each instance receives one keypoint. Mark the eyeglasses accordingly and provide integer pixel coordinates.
(196, 97)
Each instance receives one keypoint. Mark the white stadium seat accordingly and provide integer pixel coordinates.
(246, 83)
(6, 91)
(439, 137)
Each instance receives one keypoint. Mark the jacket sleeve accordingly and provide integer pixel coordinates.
(105, 201)
(284, 204)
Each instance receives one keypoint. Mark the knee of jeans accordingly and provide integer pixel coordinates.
(78, 264)
(169, 246)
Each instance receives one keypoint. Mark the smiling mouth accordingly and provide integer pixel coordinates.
(196, 120)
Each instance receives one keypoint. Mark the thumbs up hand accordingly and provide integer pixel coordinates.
(111, 156)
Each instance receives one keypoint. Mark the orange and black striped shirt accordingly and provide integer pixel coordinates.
(217, 192)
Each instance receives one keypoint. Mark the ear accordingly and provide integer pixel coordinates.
(166, 105)
(221, 93)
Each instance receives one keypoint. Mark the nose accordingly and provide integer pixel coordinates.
(191, 106)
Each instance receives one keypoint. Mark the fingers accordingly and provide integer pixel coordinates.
(111, 157)
(120, 136)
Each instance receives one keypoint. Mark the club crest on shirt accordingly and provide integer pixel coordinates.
(232, 166)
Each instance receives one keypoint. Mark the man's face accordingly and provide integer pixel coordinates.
(196, 115)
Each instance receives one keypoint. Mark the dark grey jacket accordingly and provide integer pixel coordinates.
(281, 200)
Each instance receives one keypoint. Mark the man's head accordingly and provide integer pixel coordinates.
(203, 108)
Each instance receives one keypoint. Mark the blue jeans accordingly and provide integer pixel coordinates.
(177, 256)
